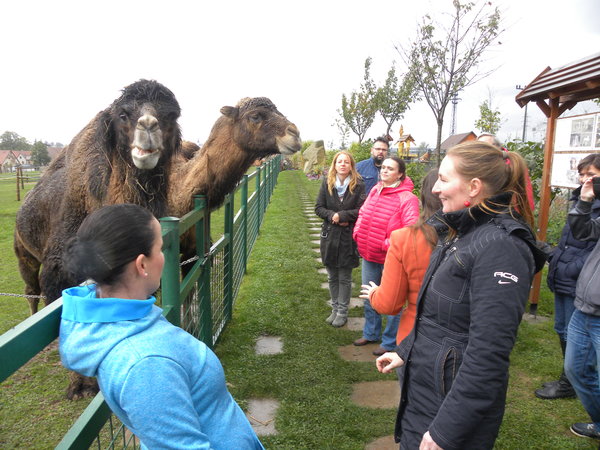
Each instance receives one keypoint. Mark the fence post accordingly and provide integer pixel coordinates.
(258, 201)
(244, 216)
(170, 276)
(203, 250)
(18, 185)
(229, 257)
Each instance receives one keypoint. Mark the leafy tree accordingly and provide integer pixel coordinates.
(39, 154)
(444, 58)
(9, 140)
(489, 120)
(358, 110)
(392, 100)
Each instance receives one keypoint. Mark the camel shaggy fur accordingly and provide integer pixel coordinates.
(123, 155)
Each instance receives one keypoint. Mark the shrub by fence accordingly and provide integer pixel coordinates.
(201, 302)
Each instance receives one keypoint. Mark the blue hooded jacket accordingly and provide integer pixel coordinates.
(166, 386)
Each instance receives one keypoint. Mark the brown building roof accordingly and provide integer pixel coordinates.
(456, 139)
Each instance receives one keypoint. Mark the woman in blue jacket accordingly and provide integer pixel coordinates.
(166, 386)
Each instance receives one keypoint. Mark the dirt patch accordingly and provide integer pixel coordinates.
(261, 414)
(268, 345)
(363, 353)
(384, 443)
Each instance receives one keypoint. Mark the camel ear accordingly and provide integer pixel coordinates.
(230, 111)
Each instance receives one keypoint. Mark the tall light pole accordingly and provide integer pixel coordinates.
(520, 88)
(455, 101)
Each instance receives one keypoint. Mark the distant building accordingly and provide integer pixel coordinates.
(456, 139)
(10, 159)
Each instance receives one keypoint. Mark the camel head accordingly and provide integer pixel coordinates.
(141, 125)
(260, 129)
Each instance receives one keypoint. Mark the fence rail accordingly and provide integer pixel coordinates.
(201, 302)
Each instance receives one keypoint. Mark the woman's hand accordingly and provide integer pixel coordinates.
(428, 444)
(388, 362)
(335, 218)
(366, 289)
(587, 190)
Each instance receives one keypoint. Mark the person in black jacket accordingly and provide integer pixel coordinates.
(582, 360)
(566, 263)
(456, 358)
(341, 196)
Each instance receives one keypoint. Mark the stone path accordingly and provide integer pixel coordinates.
(374, 394)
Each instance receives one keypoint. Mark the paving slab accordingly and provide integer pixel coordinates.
(383, 443)
(364, 353)
(316, 250)
(383, 394)
(261, 414)
(318, 242)
(355, 323)
(326, 285)
(530, 318)
(268, 345)
(318, 260)
(354, 303)
(322, 270)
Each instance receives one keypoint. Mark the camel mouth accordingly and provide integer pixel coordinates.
(289, 144)
(145, 159)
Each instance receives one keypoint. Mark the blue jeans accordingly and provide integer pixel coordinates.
(372, 272)
(563, 309)
(581, 361)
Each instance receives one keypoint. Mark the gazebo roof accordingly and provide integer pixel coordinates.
(571, 83)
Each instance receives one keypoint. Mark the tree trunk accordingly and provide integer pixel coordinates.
(438, 143)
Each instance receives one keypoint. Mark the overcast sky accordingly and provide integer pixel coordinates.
(66, 60)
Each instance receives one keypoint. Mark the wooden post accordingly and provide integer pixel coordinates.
(18, 185)
(542, 224)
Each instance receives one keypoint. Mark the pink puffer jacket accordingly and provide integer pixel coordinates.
(386, 209)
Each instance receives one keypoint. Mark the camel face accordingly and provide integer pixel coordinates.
(144, 121)
(261, 129)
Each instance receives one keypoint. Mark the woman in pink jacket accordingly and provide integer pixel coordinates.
(390, 205)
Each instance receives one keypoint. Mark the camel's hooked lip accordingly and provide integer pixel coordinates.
(142, 153)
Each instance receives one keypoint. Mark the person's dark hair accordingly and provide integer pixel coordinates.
(107, 240)
(590, 160)
(430, 203)
(401, 165)
(382, 139)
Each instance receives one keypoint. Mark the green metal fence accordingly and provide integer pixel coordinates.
(201, 302)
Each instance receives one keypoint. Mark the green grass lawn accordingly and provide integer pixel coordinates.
(281, 296)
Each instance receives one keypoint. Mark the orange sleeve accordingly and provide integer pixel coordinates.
(390, 296)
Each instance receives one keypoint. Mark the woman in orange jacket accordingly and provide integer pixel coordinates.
(405, 264)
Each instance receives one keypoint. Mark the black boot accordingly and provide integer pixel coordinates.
(557, 389)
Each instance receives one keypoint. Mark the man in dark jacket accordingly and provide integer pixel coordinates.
(369, 168)
(566, 263)
(583, 336)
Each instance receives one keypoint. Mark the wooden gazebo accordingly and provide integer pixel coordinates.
(555, 91)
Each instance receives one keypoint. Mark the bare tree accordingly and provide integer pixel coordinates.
(358, 110)
(445, 58)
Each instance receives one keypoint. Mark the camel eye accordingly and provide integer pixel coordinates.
(123, 116)
(256, 117)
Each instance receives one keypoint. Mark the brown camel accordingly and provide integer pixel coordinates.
(251, 130)
(122, 156)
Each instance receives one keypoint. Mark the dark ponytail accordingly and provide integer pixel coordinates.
(107, 240)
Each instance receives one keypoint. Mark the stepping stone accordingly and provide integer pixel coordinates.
(355, 323)
(261, 415)
(356, 302)
(317, 250)
(377, 394)
(322, 270)
(326, 285)
(364, 353)
(268, 345)
(383, 443)
(318, 260)
(316, 242)
(530, 318)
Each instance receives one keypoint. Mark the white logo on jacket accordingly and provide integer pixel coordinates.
(507, 276)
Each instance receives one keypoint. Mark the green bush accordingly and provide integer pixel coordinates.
(361, 151)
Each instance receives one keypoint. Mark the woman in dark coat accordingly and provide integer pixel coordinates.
(470, 304)
(341, 196)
